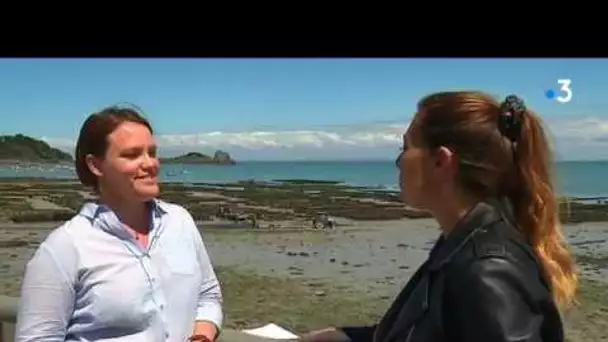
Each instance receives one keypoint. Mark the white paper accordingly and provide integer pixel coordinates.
(272, 331)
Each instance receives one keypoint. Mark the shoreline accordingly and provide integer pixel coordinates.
(582, 182)
(574, 198)
(357, 268)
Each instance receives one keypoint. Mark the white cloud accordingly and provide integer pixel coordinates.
(584, 130)
(383, 136)
(575, 138)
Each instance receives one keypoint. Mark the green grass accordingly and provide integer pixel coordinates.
(588, 321)
(251, 300)
(302, 305)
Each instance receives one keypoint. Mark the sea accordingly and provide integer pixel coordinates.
(576, 178)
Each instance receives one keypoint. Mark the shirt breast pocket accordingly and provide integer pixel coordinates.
(181, 260)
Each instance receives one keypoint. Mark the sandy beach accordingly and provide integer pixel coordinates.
(286, 272)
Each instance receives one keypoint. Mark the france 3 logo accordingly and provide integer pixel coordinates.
(564, 94)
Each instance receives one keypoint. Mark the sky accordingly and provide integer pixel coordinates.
(275, 109)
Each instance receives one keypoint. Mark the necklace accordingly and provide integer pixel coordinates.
(138, 236)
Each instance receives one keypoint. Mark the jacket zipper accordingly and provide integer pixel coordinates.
(409, 334)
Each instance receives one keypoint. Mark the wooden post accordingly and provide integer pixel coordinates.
(7, 332)
(8, 317)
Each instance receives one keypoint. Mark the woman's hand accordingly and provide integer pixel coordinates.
(206, 330)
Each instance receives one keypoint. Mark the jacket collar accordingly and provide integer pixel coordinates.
(481, 215)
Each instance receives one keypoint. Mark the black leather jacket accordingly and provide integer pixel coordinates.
(481, 283)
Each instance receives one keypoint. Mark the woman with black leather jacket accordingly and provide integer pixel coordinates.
(501, 270)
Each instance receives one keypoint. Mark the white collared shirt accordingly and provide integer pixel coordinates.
(90, 281)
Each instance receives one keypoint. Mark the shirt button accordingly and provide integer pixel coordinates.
(162, 306)
(166, 335)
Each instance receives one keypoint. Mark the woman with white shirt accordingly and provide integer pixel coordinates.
(128, 267)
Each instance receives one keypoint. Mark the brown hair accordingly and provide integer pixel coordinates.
(491, 165)
(94, 133)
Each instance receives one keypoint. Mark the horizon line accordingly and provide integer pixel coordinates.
(371, 160)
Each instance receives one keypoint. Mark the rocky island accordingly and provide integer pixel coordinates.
(21, 148)
(219, 157)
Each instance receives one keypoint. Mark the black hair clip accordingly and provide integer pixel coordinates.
(510, 118)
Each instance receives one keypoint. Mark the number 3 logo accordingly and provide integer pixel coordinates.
(565, 87)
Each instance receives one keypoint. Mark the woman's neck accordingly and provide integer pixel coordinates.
(451, 212)
(132, 213)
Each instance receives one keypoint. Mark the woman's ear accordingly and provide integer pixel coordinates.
(445, 159)
(94, 164)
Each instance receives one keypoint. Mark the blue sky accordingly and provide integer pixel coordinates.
(291, 108)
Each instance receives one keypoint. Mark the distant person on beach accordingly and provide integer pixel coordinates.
(128, 267)
(500, 270)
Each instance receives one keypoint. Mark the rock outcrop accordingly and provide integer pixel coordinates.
(219, 157)
(21, 148)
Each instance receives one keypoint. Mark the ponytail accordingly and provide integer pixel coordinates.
(536, 209)
(512, 161)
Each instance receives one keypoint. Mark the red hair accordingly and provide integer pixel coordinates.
(492, 166)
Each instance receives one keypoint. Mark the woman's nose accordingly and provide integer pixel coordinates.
(149, 161)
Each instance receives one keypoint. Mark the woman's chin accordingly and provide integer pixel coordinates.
(147, 192)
